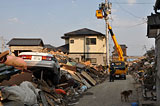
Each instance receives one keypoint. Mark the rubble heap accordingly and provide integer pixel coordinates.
(144, 72)
(23, 88)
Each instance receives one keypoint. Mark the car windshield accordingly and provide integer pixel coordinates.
(118, 65)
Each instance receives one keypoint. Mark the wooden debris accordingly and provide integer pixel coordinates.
(43, 98)
(90, 79)
(49, 101)
(73, 75)
(4, 54)
(83, 80)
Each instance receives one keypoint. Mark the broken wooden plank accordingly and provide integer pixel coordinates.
(72, 74)
(61, 85)
(43, 98)
(4, 54)
(88, 77)
(49, 101)
(52, 97)
(68, 67)
(83, 80)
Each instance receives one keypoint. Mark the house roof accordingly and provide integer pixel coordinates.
(122, 46)
(25, 42)
(154, 20)
(80, 32)
(157, 5)
(64, 48)
(49, 46)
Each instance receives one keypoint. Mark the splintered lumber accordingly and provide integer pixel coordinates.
(61, 85)
(90, 79)
(49, 101)
(72, 74)
(52, 97)
(4, 54)
(68, 67)
(83, 80)
(79, 75)
(43, 98)
(86, 83)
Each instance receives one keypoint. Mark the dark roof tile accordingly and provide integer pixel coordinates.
(25, 42)
(84, 31)
(64, 48)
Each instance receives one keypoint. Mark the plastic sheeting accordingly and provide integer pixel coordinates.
(26, 93)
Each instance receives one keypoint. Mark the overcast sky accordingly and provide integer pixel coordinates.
(50, 19)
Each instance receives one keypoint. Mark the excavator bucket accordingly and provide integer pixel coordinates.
(99, 14)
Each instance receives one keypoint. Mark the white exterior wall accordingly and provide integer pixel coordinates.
(99, 57)
(80, 43)
(77, 46)
(98, 51)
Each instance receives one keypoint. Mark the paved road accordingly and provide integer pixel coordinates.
(108, 94)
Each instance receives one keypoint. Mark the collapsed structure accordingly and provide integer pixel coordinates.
(76, 78)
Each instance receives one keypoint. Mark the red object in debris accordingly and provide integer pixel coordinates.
(60, 91)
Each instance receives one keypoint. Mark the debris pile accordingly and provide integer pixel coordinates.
(144, 72)
(20, 86)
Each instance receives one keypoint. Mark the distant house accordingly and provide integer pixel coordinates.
(49, 47)
(124, 49)
(86, 44)
(115, 53)
(18, 45)
(63, 48)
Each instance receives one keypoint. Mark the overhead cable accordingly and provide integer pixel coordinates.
(132, 3)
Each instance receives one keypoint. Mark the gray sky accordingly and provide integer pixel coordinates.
(50, 19)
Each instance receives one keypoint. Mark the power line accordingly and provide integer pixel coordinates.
(133, 3)
(130, 13)
(137, 24)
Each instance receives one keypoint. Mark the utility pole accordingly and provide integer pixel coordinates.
(102, 13)
(107, 36)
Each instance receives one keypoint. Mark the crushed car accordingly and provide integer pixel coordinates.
(42, 63)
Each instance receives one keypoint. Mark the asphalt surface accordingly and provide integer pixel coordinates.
(108, 94)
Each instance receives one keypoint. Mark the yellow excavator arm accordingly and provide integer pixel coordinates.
(118, 47)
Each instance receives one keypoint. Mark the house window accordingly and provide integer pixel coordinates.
(71, 41)
(92, 60)
(90, 41)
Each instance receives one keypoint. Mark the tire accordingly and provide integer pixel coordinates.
(124, 77)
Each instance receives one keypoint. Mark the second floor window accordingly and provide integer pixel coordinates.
(90, 41)
(71, 41)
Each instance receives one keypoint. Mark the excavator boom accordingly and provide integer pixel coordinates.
(118, 47)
